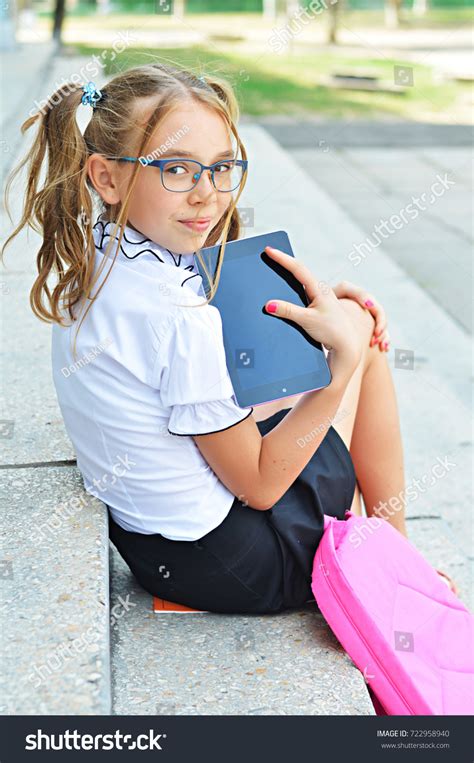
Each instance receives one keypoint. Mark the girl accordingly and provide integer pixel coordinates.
(211, 505)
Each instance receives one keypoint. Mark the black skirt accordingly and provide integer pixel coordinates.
(257, 562)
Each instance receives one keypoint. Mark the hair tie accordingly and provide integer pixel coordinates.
(92, 95)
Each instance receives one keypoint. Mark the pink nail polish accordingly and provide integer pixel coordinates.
(272, 307)
(369, 303)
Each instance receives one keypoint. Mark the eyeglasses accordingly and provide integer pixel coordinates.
(181, 175)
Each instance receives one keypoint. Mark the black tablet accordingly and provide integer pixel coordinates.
(267, 357)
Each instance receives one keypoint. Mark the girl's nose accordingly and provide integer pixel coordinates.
(204, 183)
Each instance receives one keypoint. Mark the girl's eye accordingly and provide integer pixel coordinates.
(224, 167)
(173, 170)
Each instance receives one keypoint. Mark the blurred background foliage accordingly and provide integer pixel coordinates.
(384, 59)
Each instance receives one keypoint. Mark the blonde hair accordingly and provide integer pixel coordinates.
(61, 209)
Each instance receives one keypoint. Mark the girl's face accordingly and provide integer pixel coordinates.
(197, 132)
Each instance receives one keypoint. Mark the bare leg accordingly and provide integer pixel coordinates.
(376, 445)
(367, 420)
(370, 427)
(371, 431)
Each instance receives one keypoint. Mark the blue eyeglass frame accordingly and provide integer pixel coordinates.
(161, 162)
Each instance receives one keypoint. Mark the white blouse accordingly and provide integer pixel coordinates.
(149, 373)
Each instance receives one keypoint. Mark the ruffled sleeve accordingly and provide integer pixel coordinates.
(191, 375)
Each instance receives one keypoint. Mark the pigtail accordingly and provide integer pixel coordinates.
(59, 208)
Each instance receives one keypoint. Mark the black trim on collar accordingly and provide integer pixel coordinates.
(189, 278)
(103, 224)
(179, 258)
(108, 222)
(144, 251)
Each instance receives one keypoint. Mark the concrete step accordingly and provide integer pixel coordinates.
(54, 563)
(215, 664)
(55, 595)
(208, 664)
(435, 540)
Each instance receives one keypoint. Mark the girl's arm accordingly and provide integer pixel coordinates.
(259, 470)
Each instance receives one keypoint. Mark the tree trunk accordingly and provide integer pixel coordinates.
(420, 7)
(292, 7)
(269, 10)
(334, 18)
(392, 13)
(103, 7)
(8, 22)
(59, 13)
(178, 9)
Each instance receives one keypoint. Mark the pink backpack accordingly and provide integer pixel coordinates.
(404, 629)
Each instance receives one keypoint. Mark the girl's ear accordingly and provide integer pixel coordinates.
(102, 174)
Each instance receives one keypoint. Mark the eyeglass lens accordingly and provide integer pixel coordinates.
(183, 175)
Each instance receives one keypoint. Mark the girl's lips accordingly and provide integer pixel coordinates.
(196, 225)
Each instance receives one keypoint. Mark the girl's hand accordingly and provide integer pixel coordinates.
(323, 319)
(368, 302)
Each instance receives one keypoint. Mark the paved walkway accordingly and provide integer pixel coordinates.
(422, 172)
(20, 81)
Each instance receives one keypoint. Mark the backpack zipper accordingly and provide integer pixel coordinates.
(363, 639)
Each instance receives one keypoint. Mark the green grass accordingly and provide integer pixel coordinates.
(288, 85)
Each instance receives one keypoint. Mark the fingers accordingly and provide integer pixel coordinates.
(381, 335)
(288, 310)
(383, 340)
(368, 302)
(300, 271)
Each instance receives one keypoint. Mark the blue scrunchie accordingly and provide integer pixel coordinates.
(92, 95)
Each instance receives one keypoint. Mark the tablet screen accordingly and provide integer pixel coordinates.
(256, 360)
(267, 357)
